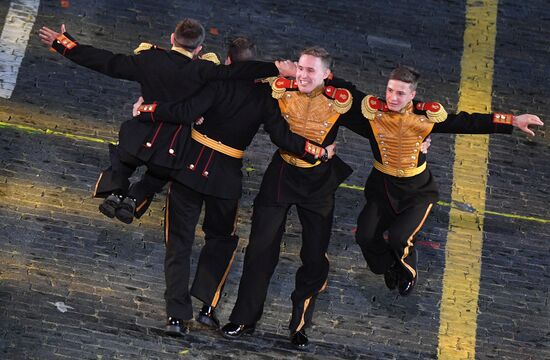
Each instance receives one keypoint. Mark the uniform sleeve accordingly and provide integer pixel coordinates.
(354, 118)
(280, 134)
(474, 123)
(114, 65)
(185, 111)
(341, 83)
(242, 70)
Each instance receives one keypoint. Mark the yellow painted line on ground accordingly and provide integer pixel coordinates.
(53, 132)
(458, 313)
(249, 169)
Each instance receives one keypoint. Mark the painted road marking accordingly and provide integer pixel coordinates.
(13, 42)
(458, 313)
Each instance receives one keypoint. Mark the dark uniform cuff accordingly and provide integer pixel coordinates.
(503, 123)
(63, 43)
(147, 112)
(312, 152)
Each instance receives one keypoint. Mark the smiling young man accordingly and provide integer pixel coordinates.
(401, 190)
(314, 111)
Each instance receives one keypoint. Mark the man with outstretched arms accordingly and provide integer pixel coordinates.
(164, 75)
(400, 191)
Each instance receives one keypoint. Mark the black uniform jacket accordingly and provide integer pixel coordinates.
(164, 75)
(233, 112)
(403, 192)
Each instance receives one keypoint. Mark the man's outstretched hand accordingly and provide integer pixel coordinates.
(523, 121)
(47, 35)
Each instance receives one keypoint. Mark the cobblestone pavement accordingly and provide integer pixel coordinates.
(74, 284)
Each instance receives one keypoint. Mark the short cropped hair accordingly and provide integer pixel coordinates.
(406, 74)
(241, 49)
(319, 52)
(189, 34)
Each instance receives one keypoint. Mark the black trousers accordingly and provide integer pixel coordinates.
(262, 256)
(116, 179)
(183, 208)
(378, 217)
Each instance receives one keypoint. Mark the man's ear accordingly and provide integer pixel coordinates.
(228, 60)
(172, 39)
(326, 74)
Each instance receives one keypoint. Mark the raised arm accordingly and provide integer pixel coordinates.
(242, 70)
(106, 62)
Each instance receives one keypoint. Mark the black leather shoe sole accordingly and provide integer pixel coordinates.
(108, 209)
(233, 336)
(175, 330)
(124, 215)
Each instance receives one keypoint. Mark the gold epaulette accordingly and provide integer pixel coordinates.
(370, 105)
(144, 47)
(434, 111)
(280, 85)
(210, 57)
(341, 98)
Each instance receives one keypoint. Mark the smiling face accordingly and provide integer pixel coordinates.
(310, 73)
(398, 94)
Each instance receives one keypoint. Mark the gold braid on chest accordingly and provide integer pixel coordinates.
(399, 137)
(309, 116)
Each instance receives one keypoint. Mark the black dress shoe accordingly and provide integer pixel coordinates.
(176, 327)
(126, 209)
(406, 286)
(207, 317)
(391, 277)
(110, 204)
(299, 339)
(235, 331)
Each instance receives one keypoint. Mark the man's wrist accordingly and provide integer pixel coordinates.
(149, 108)
(324, 156)
(502, 118)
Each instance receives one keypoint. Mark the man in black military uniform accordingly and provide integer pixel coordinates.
(211, 175)
(400, 190)
(164, 76)
(314, 111)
